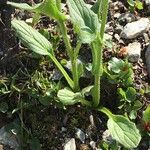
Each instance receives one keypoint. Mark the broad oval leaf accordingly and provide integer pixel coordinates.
(47, 7)
(67, 97)
(31, 38)
(84, 19)
(116, 65)
(124, 131)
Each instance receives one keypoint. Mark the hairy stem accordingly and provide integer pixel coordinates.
(97, 46)
(106, 111)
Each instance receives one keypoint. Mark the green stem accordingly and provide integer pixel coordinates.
(75, 68)
(69, 80)
(63, 30)
(72, 54)
(104, 17)
(106, 111)
(97, 48)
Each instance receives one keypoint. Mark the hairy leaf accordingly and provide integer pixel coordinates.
(31, 38)
(84, 19)
(47, 7)
(67, 97)
(124, 131)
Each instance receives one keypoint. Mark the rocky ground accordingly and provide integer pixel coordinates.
(77, 128)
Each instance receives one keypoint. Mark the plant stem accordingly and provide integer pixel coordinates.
(106, 111)
(97, 73)
(72, 54)
(75, 68)
(65, 74)
(97, 46)
(104, 17)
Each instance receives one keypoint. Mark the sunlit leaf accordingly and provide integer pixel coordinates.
(67, 97)
(47, 7)
(124, 131)
(31, 38)
(84, 19)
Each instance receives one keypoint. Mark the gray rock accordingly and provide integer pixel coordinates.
(80, 135)
(135, 29)
(126, 18)
(147, 58)
(9, 139)
(134, 51)
(147, 2)
(70, 145)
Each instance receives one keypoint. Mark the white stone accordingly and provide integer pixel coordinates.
(147, 58)
(134, 51)
(135, 29)
(70, 145)
(147, 2)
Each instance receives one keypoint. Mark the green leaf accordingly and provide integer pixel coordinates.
(67, 97)
(98, 5)
(124, 131)
(3, 107)
(133, 114)
(115, 65)
(47, 7)
(137, 105)
(139, 5)
(131, 94)
(44, 100)
(131, 2)
(121, 93)
(87, 90)
(84, 20)
(31, 38)
(146, 114)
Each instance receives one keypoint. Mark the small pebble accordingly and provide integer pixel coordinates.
(80, 135)
(147, 2)
(126, 18)
(135, 29)
(134, 51)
